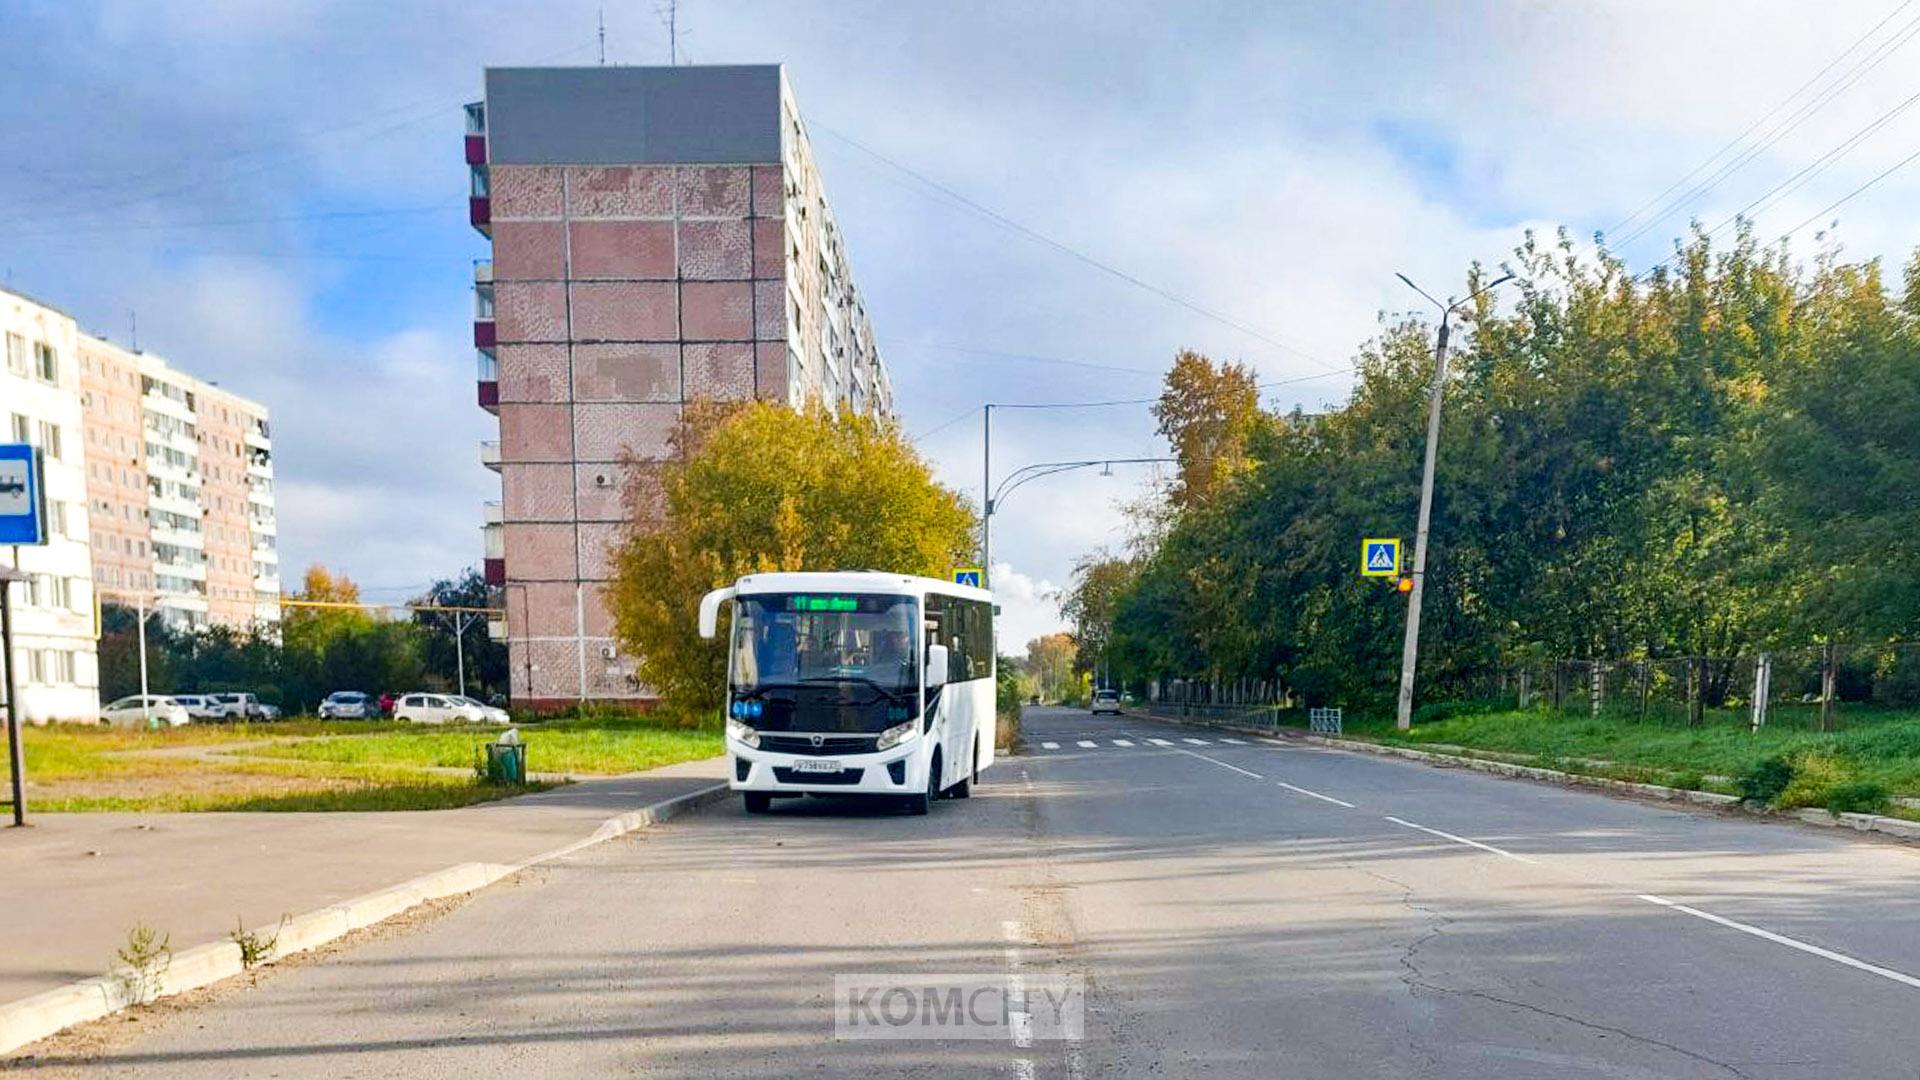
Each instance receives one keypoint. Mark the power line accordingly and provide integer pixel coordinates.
(1073, 252)
(1116, 402)
(1764, 117)
(1859, 71)
(912, 343)
(1799, 180)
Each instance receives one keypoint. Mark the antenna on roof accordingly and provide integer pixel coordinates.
(133, 329)
(603, 37)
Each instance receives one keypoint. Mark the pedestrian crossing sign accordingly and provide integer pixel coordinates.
(970, 575)
(1380, 557)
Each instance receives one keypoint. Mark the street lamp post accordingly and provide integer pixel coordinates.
(1410, 647)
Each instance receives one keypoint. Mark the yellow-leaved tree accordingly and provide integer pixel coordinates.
(759, 487)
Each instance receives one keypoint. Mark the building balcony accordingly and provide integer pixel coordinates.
(483, 333)
(497, 629)
(492, 512)
(488, 393)
(495, 571)
(480, 215)
(490, 454)
(476, 149)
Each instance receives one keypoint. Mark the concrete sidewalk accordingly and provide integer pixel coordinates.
(73, 884)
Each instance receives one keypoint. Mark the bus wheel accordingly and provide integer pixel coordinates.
(918, 805)
(758, 802)
(964, 788)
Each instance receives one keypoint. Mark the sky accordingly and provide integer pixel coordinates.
(1043, 203)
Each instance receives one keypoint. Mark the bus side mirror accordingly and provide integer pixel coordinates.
(710, 609)
(936, 666)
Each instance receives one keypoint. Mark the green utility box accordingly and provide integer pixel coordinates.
(507, 762)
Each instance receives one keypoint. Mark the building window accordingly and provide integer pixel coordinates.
(46, 363)
(50, 440)
(37, 665)
(17, 355)
(21, 428)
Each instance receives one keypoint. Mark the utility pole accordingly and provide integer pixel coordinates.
(146, 705)
(1410, 648)
(986, 498)
(603, 37)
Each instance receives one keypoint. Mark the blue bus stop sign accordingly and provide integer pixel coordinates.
(23, 500)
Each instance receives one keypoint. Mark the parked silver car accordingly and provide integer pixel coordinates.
(347, 705)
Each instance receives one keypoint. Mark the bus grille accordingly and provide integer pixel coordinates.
(790, 776)
(830, 745)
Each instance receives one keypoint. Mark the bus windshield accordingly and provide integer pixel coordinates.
(826, 662)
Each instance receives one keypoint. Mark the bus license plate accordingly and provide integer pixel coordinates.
(826, 765)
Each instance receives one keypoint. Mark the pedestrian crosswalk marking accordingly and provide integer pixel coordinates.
(1194, 742)
(1049, 746)
(1087, 744)
(1121, 742)
(1159, 742)
(1235, 742)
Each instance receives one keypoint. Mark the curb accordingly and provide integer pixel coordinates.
(34, 1018)
(1897, 828)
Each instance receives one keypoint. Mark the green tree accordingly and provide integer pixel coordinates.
(759, 487)
(1208, 413)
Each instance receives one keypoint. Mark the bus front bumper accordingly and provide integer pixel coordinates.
(891, 772)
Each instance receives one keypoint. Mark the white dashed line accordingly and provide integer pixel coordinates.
(1087, 744)
(1049, 746)
(1122, 742)
(1222, 764)
(1159, 742)
(1781, 939)
(1194, 742)
(1235, 742)
(1462, 840)
(1313, 794)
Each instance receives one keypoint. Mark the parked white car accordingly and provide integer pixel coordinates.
(201, 706)
(347, 705)
(447, 709)
(243, 707)
(134, 710)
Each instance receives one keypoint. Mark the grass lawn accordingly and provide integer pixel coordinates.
(1880, 746)
(605, 746)
(320, 765)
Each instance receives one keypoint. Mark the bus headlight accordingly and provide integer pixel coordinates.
(893, 736)
(743, 734)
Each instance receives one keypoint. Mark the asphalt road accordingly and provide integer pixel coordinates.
(1236, 909)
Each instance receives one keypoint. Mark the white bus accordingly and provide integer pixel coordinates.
(856, 683)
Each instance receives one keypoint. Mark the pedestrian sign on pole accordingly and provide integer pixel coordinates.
(970, 575)
(23, 501)
(1380, 557)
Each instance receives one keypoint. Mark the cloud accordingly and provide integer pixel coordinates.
(1274, 163)
(1029, 608)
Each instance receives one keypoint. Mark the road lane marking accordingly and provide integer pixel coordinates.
(1222, 764)
(1314, 794)
(1122, 742)
(1782, 939)
(1235, 742)
(1159, 742)
(1194, 742)
(1049, 746)
(1463, 840)
(1087, 744)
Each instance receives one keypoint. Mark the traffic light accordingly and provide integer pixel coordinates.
(1405, 584)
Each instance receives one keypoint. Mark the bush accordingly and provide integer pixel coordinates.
(1443, 710)
(1859, 797)
(1764, 780)
(1815, 775)
(1688, 781)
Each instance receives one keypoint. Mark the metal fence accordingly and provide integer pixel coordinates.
(1817, 687)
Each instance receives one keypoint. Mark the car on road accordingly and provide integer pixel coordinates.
(348, 705)
(135, 710)
(446, 709)
(1106, 701)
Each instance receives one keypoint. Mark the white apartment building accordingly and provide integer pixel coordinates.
(56, 665)
(180, 489)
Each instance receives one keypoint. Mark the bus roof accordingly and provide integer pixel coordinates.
(867, 581)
